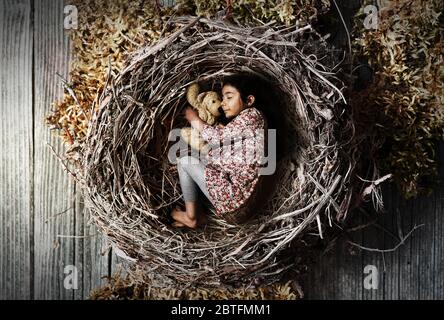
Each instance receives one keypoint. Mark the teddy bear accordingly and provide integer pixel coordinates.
(207, 104)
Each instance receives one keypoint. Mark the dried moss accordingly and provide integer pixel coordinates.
(288, 12)
(107, 32)
(128, 288)
(406, 54)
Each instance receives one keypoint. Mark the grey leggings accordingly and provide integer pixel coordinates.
(192, 178)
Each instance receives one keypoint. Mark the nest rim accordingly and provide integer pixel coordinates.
(124, 124)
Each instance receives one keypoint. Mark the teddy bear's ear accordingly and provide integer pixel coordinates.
(192, 94)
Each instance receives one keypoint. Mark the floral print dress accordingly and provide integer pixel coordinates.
(234, 160)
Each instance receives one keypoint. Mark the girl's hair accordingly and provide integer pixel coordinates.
(246, 84)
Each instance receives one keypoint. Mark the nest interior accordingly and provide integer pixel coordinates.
(130, 185)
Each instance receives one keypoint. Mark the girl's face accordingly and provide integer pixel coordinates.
(232, 103)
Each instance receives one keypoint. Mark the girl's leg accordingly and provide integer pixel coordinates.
(196, 171)
(192, 178)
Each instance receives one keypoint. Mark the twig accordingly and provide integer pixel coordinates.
(77, 237)
(58, 214)
(402, 241)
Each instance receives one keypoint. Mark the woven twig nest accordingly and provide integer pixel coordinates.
(131, 186)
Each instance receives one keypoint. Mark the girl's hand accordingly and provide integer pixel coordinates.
(191, 114)
(220, 126)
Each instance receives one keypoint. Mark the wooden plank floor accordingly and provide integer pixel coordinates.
(415, 271)
(17, 145)
(44, 230)
(38, 241)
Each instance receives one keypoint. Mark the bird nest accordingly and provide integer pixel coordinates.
(130, 185)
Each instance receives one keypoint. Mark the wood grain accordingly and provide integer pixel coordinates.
(54, 192)
(92, 253)
(17, 150)
(66, 239)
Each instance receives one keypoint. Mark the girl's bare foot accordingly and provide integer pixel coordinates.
(181, 217)
(183, 220)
